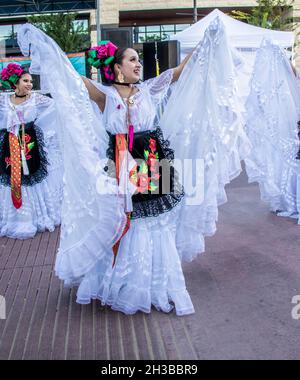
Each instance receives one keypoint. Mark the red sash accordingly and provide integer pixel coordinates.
(15, 178)
(121, 151)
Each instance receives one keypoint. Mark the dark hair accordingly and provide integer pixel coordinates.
(119, 56)
(25, 71)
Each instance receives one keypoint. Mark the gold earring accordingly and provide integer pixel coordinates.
(120, 77)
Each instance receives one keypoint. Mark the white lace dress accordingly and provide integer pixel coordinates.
(273, 110)
(201, 119)
(148, 267)
(41, 202)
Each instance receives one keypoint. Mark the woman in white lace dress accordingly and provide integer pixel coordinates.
(30, 159)
(273, 114)
(146, 253)
(123, 244)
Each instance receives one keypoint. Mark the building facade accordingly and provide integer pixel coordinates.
(156, 19)
(132, 22)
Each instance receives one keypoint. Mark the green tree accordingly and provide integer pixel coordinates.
(70, 34)
(270, 14)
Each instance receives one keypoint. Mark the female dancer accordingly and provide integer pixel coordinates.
(273, 114)
(123, 244)
(30, 159)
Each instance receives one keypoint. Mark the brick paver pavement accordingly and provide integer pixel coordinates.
(241, 288)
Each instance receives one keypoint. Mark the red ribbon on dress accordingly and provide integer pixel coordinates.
(130, 136)
(15, 177)
(121, 152)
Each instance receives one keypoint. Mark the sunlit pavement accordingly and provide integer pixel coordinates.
(241, 287)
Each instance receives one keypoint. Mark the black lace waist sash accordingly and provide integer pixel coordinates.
(158, 187)
(36, 156)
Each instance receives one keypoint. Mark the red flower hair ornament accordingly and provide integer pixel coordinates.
(101, 56)
(10, 75)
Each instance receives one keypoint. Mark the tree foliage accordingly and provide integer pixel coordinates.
(70, 35)
(270, 14)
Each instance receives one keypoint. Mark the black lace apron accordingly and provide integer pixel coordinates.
(36, 156)
(164, 192)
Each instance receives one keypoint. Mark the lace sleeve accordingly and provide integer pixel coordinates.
(2, 99)
(159, 86)
(43, 100)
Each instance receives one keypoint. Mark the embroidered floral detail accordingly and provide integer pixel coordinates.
(152, 145)
(28, 147)
(7, 161)
(140, 178)
(151, 204)
(35, 154)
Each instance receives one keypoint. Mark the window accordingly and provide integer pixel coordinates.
(8, 36)
(82, 24)
(156, 32)
(6, 31)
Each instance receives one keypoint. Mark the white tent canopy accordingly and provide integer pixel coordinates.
(240, 34)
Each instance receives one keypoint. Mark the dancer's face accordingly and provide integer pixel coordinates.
(131, 67)
(24, 85)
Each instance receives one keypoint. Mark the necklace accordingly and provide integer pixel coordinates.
(124, 83)
(130, 99)
(20, 96)
(129, 102)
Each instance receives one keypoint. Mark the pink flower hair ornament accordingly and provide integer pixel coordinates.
(10, 75)
(101, 56)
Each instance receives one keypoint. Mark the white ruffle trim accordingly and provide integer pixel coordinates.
(40, 211)
(197, 222)
(147, 271)
(278, 174)
(73, 263)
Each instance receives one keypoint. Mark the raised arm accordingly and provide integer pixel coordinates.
(94, 93)
(178, 70)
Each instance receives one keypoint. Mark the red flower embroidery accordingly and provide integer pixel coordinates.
(152, 162)
(156, 176)
(27, 138)
(140, 176)
(28, 147)
(142, 182)
(7, 161)
(152, 145)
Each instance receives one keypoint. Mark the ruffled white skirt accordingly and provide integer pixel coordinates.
(290, 199)
(147, 271)
(41, 204)
(277, 171)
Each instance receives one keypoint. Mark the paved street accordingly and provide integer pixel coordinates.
(241, 289)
